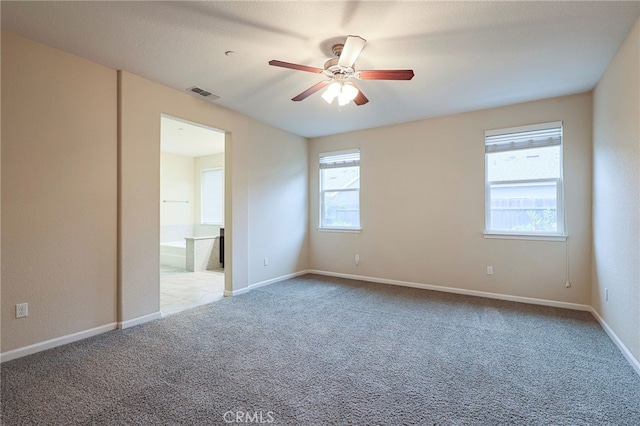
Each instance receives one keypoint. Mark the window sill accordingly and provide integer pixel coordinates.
(345, 230)
(534, 237)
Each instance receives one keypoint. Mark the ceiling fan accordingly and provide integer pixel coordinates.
(341, 70)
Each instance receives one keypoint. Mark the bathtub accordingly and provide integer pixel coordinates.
(192, 253)
(174, 253)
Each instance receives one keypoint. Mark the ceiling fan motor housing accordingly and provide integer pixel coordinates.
(333, 69)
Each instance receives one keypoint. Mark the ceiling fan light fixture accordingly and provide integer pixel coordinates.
(344, 91)
(349, 91)
(332, 91)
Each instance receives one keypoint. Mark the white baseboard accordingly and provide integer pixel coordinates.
(70, 338)
(228, 293)
(48, 344)
(623, 348)
(521, 299)
(58, 341)
(277, 279)
(139, 320)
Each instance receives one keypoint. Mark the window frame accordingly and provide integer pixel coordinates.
(322, 191)
(202, 196)
(561, 227)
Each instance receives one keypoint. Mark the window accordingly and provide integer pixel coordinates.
(212, 197)
(340, 190)
(523, 169)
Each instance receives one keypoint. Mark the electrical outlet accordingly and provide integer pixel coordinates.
(567, 284)
(266, 261)
(22, 310)
(606, 294)
(489, 270)
(357, 259)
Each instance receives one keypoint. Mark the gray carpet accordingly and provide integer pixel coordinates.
(317, 351)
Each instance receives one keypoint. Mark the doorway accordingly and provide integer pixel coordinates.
(192, 161)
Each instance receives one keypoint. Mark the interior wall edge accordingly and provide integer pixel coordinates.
(139, 320)
(119, 303)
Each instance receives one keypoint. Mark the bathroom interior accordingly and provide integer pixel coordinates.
(191, 214)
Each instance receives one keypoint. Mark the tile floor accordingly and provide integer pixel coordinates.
(180, 289)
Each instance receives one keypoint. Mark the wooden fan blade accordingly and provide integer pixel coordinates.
(360, 99)
(386, 75)
(295, 66)
(352, 48)
(310, 91)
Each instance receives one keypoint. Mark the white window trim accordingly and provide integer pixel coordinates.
(520, 129)
(321, 192)
(561, 234)
(524, 236)
(342, 230)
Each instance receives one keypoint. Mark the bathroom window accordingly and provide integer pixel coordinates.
(212, 197)
(340, 190)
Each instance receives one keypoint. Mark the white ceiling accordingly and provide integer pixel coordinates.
(183, 137)
(466, 55)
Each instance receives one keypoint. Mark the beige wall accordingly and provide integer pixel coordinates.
(59, 173)
(422, 206)
(81, 241)
(1, 308)
(278, 204)
(141, 104)
(616, 194)
(177, 183)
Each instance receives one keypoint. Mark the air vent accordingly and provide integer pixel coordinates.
(202, 92)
